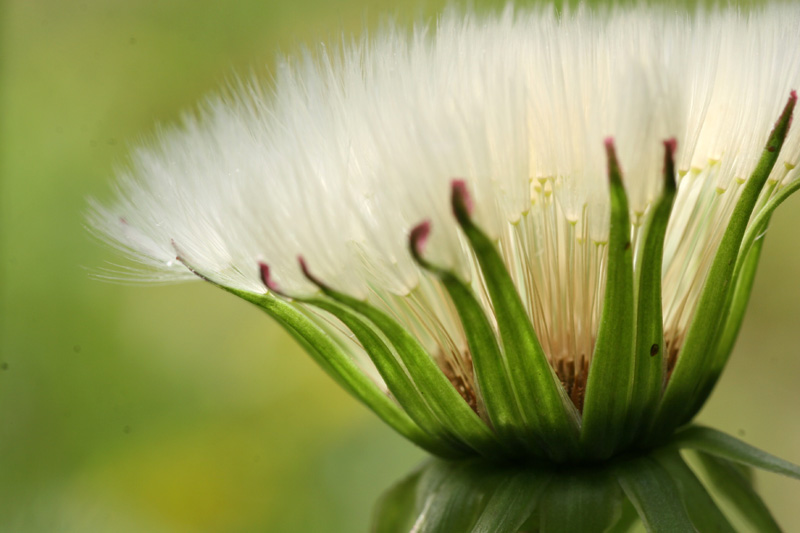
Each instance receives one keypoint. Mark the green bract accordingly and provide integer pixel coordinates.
(520, 409)
(570, 309)
(618, 447)
(659, 487)
(534, 457)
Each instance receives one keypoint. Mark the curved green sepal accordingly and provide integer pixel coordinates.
(398, 382)
(628, 521)
(729, 482)
(719, 444)
(584, 501)
(512, 503)
(490, 367)
(654, 495)
(395, 510)
(698, 350)
(444, 400)
(737, 305)
(451, 497)
(760, 223)
(470, 496)
(744, 274)
(324, 350)
(610, 382)
(649, 356)
(542, 399)
(702, 509)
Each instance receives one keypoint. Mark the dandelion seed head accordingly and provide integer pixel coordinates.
(352, 147)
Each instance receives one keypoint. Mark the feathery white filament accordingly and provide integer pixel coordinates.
(351, 148)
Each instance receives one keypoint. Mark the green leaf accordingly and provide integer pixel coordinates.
(490, 366)
(581, 501)
(395, 510)
(542, 399)
(513, 501)
(696, 356)
(396, 379)
(610, 383)
(731, 484)
(451, 497)
(704, 513)
(444, 400)
(724, 446)
(654, 495)
(324, 350)
(649, 357)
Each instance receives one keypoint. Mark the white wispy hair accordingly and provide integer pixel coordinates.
(352, 147)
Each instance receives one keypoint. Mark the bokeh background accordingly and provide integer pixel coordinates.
(180, 408)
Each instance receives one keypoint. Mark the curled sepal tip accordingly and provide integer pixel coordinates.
(542, 400)
(491, 372)
(417, 241)
(614, 172)
(447, 405)
(309, 276)
(461, 201)
(331, 357)
(670, 176)
(266, 278)
(417, 423)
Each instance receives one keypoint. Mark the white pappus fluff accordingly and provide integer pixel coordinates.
(351, 148)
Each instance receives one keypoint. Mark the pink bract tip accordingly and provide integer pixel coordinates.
(671, 145)
(419, 236)
(611, 150)
(265, 277)
(306, 271)
(303, 266)
(461, 195)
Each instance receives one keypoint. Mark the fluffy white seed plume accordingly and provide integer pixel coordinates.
(351, 148)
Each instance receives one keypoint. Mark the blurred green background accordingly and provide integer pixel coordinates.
(180, 408)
